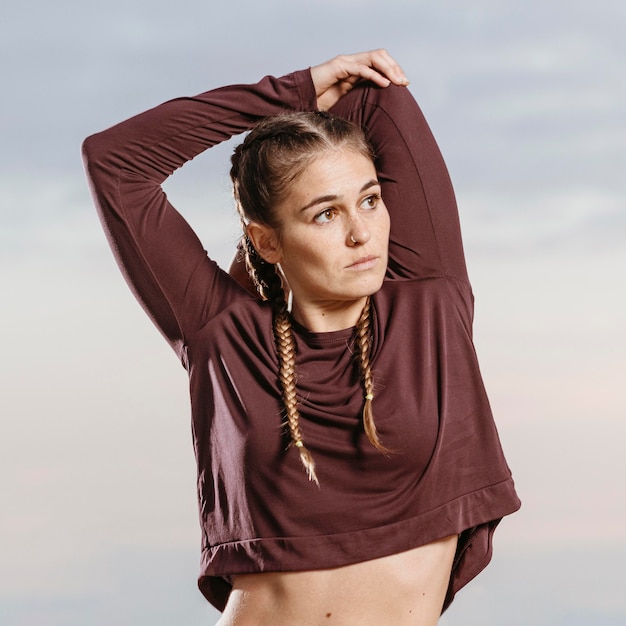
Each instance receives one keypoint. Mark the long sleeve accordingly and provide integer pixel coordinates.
(158, 253)
(425, 238)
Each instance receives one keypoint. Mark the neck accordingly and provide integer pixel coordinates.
(328, 317)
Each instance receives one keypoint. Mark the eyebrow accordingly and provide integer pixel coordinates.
(331, 198)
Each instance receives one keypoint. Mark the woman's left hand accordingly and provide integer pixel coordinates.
(336, 77)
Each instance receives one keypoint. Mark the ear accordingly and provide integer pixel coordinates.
(265, 240)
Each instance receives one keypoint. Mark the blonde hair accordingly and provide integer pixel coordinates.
(272, 156)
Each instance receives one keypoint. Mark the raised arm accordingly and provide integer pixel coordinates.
(425, 233)
(159, 254)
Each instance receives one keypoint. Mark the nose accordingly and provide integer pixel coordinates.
(358, 233)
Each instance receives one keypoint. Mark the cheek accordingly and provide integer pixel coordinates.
(300, 253)
(383, 225)
(310, 243)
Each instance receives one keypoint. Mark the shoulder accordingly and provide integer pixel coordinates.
(412, 302)
(432, 288)
(245, 321)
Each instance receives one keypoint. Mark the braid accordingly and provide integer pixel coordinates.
(269, 285)
(364, 343)
(286, 349)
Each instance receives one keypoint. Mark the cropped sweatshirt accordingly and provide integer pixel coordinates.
(258, 511)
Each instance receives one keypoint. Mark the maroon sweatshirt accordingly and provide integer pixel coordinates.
(258, 511)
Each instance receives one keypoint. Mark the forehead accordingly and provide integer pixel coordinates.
(334, 172)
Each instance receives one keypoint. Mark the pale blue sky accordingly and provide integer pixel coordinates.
(98, 521)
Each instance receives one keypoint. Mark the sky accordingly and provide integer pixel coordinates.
(98, 519)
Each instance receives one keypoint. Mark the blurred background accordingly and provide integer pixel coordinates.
(98, 521)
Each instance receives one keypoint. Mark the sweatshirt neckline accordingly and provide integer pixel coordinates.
(325, 338)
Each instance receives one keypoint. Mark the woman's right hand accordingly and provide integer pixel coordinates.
(336, 77)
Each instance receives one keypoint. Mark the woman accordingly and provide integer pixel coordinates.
(349, 470)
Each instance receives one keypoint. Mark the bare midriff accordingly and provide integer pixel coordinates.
(405, 589)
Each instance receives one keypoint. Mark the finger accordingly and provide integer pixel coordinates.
(354, 71)
(377, 66)
(384, 64)
(367, 72)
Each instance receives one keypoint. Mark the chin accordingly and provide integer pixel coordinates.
(370, 289)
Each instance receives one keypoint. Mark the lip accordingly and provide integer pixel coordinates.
(364, 263)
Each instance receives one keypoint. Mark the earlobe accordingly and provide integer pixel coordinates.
(265, 241)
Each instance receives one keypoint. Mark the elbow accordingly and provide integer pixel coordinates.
(86, 149)
(97, 162)
(99, 159)
(92, 150)
(89, 153)
(103, 148)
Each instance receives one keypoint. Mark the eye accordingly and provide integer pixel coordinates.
(371, 202)
(327, 215)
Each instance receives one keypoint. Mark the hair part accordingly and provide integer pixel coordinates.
(264, 166)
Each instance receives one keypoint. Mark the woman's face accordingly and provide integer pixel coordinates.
(333, 235)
